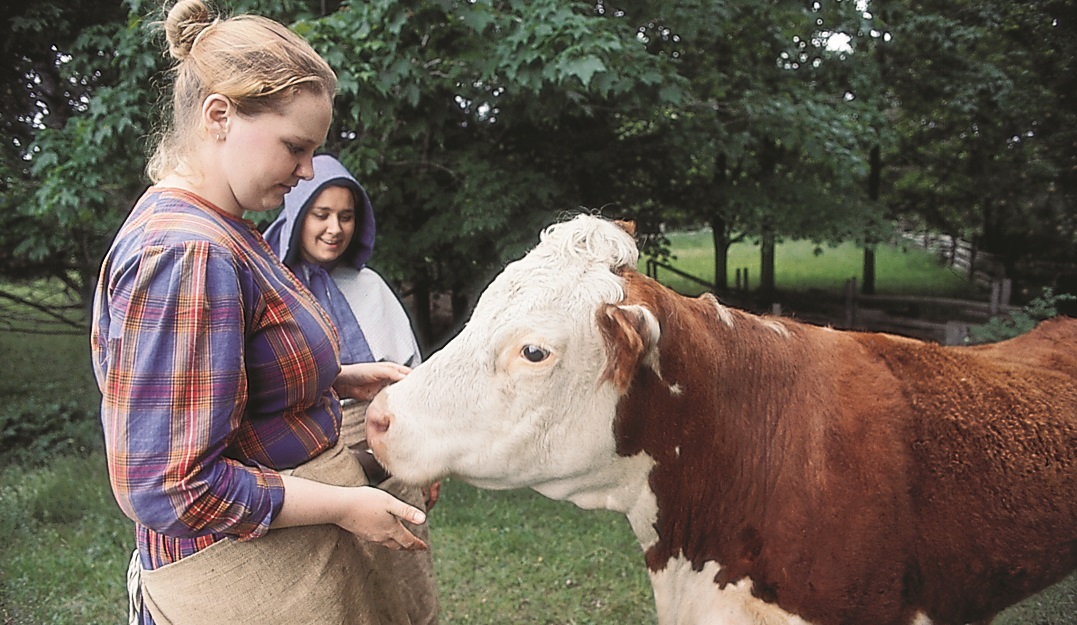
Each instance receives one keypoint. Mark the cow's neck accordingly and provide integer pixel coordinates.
(620, 486)
(712, 418)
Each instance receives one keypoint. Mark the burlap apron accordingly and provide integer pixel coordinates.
(309, 575)
(413, 571)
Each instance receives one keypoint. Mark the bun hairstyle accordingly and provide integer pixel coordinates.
(185, 23)
(255, 62)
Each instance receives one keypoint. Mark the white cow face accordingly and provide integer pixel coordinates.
(518, 398)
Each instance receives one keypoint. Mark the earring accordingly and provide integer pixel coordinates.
(220, 137)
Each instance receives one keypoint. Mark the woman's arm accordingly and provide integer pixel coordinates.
(174, 390)
(369, 513)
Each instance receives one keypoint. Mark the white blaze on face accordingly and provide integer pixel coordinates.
(516, 399)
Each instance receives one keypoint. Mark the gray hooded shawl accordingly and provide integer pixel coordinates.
(283, 235)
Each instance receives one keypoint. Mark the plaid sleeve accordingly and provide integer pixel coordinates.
(174, 393)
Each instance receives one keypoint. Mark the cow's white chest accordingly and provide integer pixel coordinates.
(686, 597)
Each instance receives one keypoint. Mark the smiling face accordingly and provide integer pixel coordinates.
(328, 225)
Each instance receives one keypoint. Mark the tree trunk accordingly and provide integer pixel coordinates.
(719, 226)
(766, 263)
(720, 235)
(868, 286)
(460, 307)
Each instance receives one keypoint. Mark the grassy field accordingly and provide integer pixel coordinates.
(803, 266)
(501, 557)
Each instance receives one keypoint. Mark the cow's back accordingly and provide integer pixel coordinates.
(993, 480)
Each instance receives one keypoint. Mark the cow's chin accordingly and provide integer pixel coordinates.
(423, 471)
(407, 471)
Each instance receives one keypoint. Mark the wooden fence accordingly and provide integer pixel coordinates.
(980, 267)
(944, 320)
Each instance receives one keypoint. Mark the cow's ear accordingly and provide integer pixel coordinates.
(631, 334)
(626, 225)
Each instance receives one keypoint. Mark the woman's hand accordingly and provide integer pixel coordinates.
(371, 514)
(363, 380)
(376, 516)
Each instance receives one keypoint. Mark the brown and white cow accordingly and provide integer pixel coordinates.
(774, 472)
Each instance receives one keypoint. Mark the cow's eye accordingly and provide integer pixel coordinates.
(534, 353)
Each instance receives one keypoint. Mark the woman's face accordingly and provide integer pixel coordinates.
(265, 155)
(328, 226)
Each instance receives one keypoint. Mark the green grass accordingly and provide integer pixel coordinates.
(50, 365)
(517, 557)
(803, 266)
(65, 546)
(500, 557)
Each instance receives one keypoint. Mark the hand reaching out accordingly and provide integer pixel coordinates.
(362, 381)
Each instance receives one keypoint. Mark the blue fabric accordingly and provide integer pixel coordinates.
(353, 344)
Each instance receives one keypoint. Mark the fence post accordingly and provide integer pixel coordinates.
(957, 333)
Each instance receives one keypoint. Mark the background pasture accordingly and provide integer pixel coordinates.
(501, 557)
(804, 266)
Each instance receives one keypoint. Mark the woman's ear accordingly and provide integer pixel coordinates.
(217, 112)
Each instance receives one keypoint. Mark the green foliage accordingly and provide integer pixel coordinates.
(35, 430)
(980, 151)
(472, 124)
(1018, 322)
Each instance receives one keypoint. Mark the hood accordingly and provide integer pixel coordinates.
(283, 234)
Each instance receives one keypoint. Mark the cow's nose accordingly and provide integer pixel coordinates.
(378, 420)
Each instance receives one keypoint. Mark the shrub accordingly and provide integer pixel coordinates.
(35, 429)
(1018, 322)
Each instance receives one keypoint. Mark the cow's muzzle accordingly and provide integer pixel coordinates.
(378, 420)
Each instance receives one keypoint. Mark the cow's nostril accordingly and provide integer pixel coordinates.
(378, 418)
(379, 425)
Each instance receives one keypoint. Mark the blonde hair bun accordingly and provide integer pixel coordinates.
(184, 23)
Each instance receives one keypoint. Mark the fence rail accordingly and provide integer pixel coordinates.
(979, 266)
(949, 320)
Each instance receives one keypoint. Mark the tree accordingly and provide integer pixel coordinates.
(775, 132)
(474, 124)
(43, 93)
(986, 119)
(459, 117)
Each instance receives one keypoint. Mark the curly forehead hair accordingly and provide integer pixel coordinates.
(257, 63)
